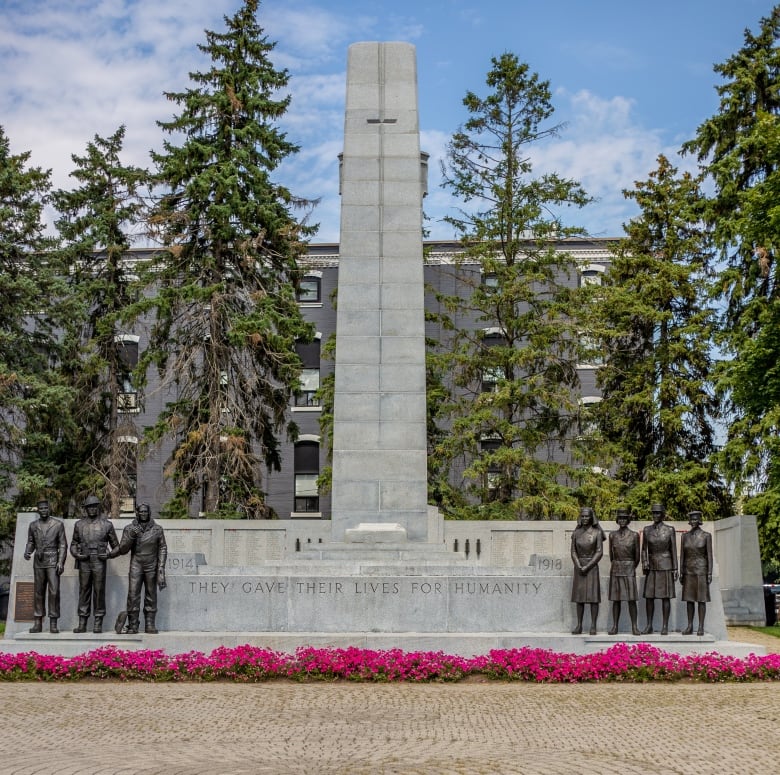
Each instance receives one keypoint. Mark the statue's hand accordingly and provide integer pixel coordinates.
(113, 554)
(27, 555)
(709, 578)
(674, 575)
(60, 569)
(161, 583)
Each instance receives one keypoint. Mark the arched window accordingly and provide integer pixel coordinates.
(310, 288)
(127, 397)
(493, 373)
(128, 456)
(487, 445)
(307, 469)
(309, 353)
(591, 274)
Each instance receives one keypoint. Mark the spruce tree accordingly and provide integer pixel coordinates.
(655, 323)
(31, 396)
(510, 342)
(224, 284)
(739, 149)
(97, 223)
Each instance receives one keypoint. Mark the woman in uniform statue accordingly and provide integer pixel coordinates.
(695, 570)
(624, 559)
(587, 548)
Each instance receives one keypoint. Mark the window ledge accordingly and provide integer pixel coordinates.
(305, 408)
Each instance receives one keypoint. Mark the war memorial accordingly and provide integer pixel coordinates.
(386, 571)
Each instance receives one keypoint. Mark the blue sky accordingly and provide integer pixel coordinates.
(630, 79)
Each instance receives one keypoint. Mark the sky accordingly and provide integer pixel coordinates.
(629, 80)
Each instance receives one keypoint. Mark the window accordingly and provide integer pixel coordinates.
(309, 353)
(307, 469)
(492, 479)
(591, 354)
(490, 280)
(128, 485)
(492, 374)
(310, 288)
(591, 274)
(127, 350)
(490, 377)
(588, 427)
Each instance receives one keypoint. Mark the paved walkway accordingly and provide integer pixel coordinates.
(471, 728)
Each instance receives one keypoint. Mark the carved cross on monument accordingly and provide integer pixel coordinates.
(379, 435)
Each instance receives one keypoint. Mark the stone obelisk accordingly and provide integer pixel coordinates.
(379, 437)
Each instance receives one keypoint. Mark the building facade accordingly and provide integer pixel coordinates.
(292, 492)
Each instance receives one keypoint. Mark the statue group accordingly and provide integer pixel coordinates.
(657, 553)
(95, 543)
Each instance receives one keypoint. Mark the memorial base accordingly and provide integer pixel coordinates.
(459, 644)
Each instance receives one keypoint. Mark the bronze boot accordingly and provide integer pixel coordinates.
(132, 624)
(37, 624)
(149, 622)
(53, 625)
(82, 626)
(98, 625)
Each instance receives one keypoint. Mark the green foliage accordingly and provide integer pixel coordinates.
(653, 320)
(224, 284)
(739, 149)
(517, 332)
(33, 399)
(96, 221)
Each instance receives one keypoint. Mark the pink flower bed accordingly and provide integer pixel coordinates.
(622, 662)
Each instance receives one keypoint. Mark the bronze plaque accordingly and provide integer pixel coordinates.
(23, 612)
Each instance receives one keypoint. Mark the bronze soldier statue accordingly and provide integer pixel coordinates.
(659, 564)
(145, 540)
(624, 558)
(695, 570)
(92, 537)
(46, 538)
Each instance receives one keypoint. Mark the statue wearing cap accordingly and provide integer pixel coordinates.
(695, 570)
(624, 559)
(659, 564)
(92, 537)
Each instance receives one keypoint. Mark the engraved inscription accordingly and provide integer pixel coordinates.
(253, 547)
(511, 549)
(185, 541)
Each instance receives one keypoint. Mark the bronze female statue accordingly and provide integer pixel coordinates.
(587, 548)
(695, 570)
(624, 559)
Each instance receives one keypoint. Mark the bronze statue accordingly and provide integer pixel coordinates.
(624, 559)
(659, 564)
(46, 538)
(145, 540)
(92, 537)
(587, 548)
(695, 570)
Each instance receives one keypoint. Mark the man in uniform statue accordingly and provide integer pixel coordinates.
(145, 540)
(46, 538)
(659, 564)
(92, 537)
